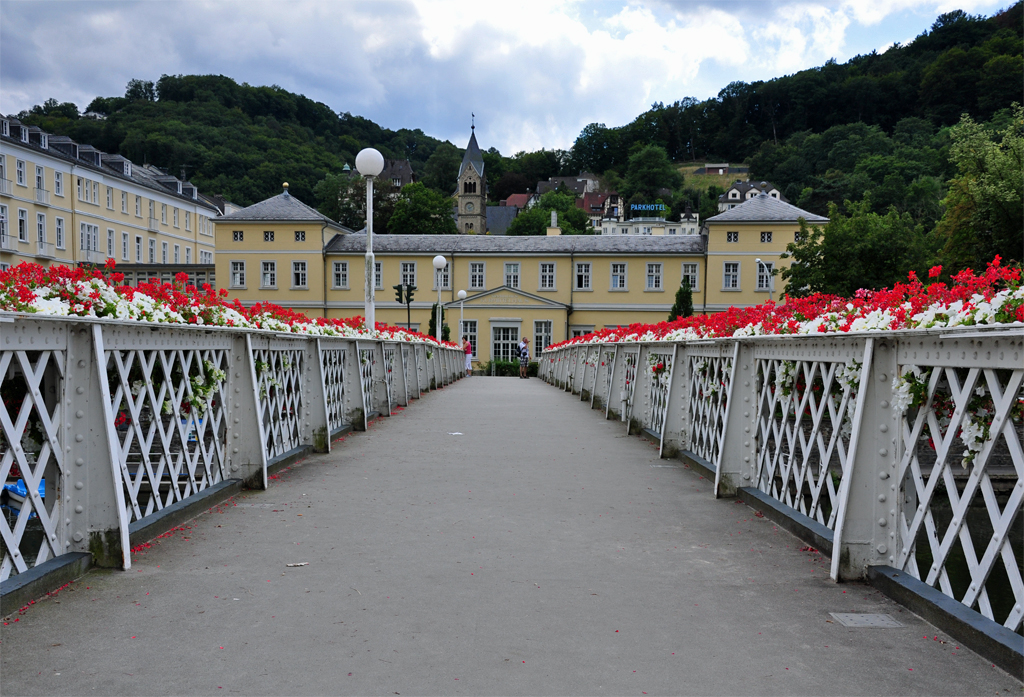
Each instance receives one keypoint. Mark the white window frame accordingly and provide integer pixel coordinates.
(188, 255)
(96, 193)
(163, 252)
(622, 274)
(110, 198)
(583, 278)
(40, 177)
(300, 275)
(41, 227)
(730, 275)
(512, 274)
(300, 235)
(22, 225)
(58, 227)
(138, 249)
(58, 183)
(125, 245)
(471, 334)
(152, 250)
(408, 273)
(268, 274)
(766, 237)
(188, 220)
(174, 216)
(110, 243)
(765, 277)
(177, 254)
(442, 278)
(237, 277)
(340, 275)
(163, 213)
(655, 277)
(124, 202)
(19, 168)
(3, 221)
(138, 206)
(268, 235)
(89, 238)
(539, 327)
(378, 275)
(548, 275)
(238, 235)
(477, 275)
(692, 270)
(732, 236)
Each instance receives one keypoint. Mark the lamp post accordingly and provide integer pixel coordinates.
(768, 273)
(369, 163)
(462, 313)
(439, 263)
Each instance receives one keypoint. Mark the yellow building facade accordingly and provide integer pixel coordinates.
(62, 202)
(759, 228)
(273, 251)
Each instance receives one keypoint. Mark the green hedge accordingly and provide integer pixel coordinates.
(508, 369)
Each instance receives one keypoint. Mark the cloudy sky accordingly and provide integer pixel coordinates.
(534, 72)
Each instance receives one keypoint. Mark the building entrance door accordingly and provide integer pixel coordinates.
(505, 343)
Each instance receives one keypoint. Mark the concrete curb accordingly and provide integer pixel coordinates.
(39, 580)
(180, 511)
(698, 464)
(975, 631)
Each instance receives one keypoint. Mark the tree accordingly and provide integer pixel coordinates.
(342, 197)
(140, 90)
(683, 306)
(432, 326)
(649, 172)
(441, 171)
(422, 211)
(535, 221)
(858, 249)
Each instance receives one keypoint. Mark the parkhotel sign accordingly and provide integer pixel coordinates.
(647, 206)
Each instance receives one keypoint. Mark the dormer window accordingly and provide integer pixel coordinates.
(5, 128)
(775, 194)
(734, 194)
(44, 141)
(24, 134)
(397, 181)
(127, 168)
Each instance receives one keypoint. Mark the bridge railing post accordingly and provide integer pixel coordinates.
(673, 421)
(315, 426)
(733, 430)
(247, 456)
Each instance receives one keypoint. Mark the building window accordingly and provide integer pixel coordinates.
(58, 227)
(732, 237)
(764, 274)
(237, 236)
(40, 174)
(796, 236)
(152, 210)
(541, 335)
(41, 227)
(268, 277)
(188, 220)
(96, 192)
(690, 274)
(766, 237)
(441, 278)
(110, 197)
(468, 330)
(90, 237)
(409, 273)
(163, 213)
(188, 255)
(300, 235)
(341, 274)
(3, 222)
(177, 254)
(298, 274)
(174, 217)
(138, 206)
(22, 225)
(731, 275)
(505, 343)
(205, 257)
(378, 275)
(110, 242)
(618, 276)
(124, 202)
(138, 249)
(238, 274)
(58, 183)
(671, 231)
(547, 276)
(124, 246)
(512, 275)
(163, 252)
(152, 251)
(583, 275)
(476, 276)
(268, 235)
(20, 169)
(654, 277)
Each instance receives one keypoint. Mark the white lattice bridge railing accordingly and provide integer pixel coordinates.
(106, 424)
(905, 449)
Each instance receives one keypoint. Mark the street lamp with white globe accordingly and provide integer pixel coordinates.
(462, 312)
(439, 263)
(370, 163)
(768, 273)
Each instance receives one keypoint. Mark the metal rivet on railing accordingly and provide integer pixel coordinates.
(882, 522)
(883, 452)
(78, 509)
(882, 549)
(883, 428)
(883, 475)
(79, 437)
(81, 364)
(884, 404)
(881, 498)
(882, 377)
(79, 462)
(746, 458)
(78, 537)
(80, 390)
(79, 485)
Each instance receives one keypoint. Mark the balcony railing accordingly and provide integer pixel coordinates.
(45, 249)
(92, 256)
(5, 186)
(902, 451)
(264, 397)
(154, 225)
(43, 196)
(8, 243)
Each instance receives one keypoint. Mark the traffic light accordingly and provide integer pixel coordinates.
(398, 292)
(409, 290)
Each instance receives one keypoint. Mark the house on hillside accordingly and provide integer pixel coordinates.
(742, 191)
(582, 183)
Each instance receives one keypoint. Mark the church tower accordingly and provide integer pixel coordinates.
(472, 191)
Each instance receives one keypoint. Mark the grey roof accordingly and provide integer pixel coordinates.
(284, 206)
(765, 209)
(500, 244)
(473, 157)
(499, 218)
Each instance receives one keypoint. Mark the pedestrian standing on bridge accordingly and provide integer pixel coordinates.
(524, 357)
(468, 348)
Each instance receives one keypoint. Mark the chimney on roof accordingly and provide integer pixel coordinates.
(554, 230)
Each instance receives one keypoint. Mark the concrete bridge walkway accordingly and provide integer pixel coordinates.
(495, 538)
